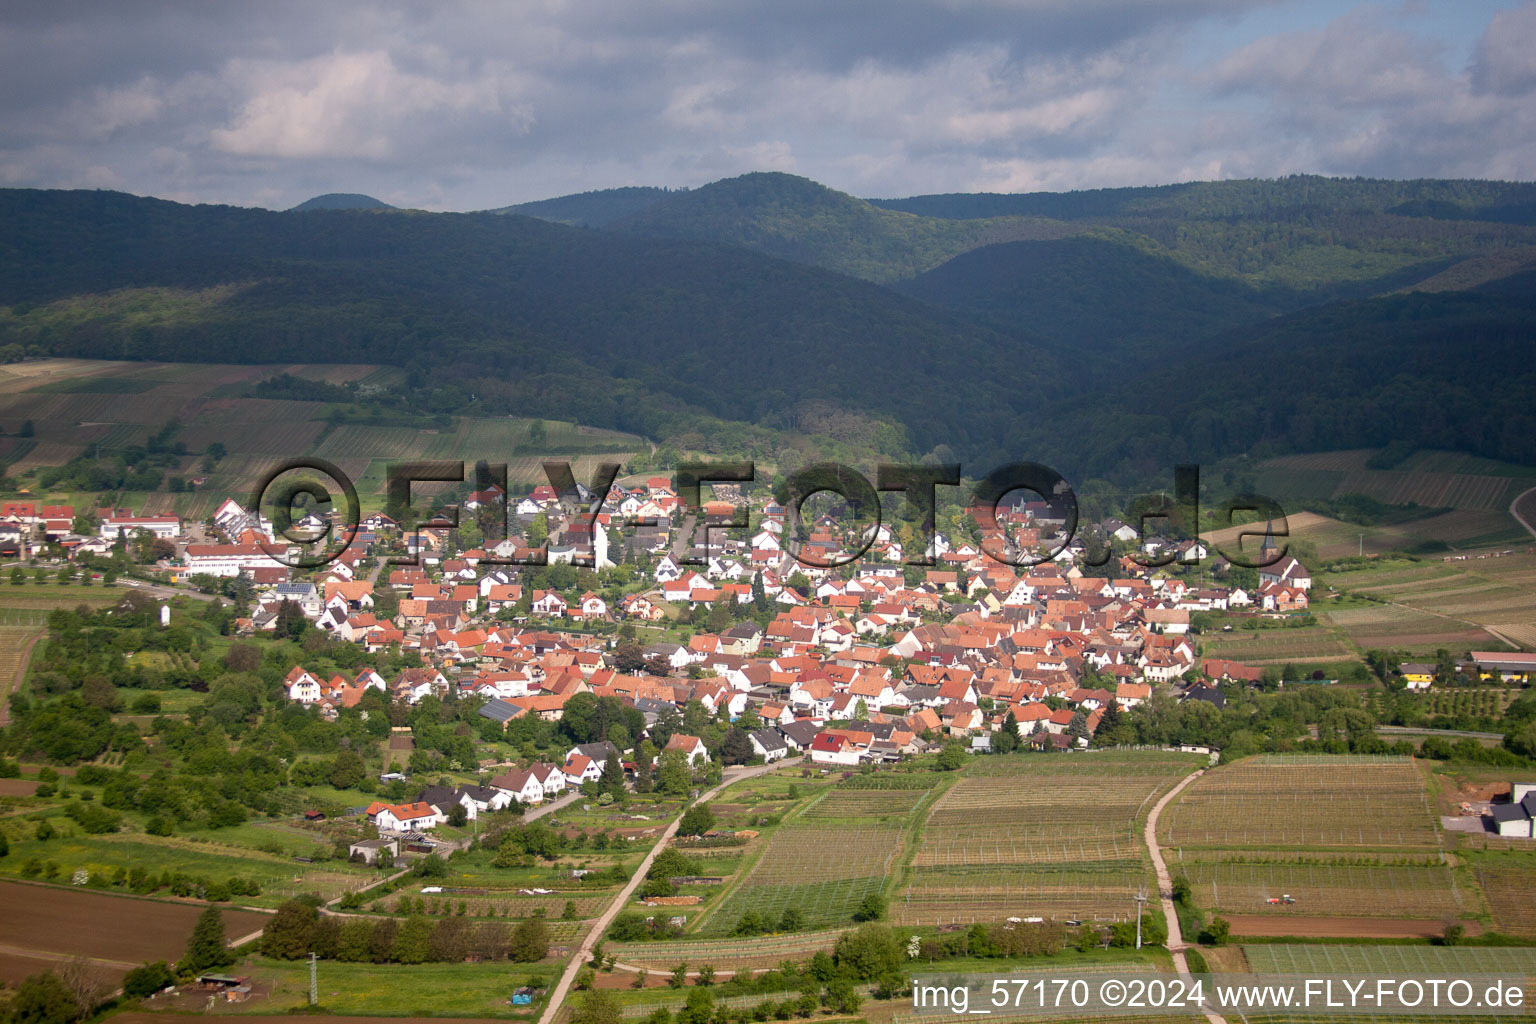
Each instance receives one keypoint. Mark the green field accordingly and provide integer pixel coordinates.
(397, 990)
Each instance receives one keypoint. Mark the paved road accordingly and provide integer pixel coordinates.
(1176, 943)
(579, 958)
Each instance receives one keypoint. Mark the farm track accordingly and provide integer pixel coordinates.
(582, 952)
(1526, 498)
(1176, 943)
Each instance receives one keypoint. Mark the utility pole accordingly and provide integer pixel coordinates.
(314, 981)
(1141, 899)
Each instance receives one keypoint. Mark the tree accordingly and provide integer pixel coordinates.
(413, 944)
(601, 1006)
(147, 980)
(699, 1009)
(1078, 727)
(871, 908)
(207, 949)
(952, 757)
(737, 747)
(673, 777)
(42, 999)
(697, 820)
(530, 941)
(347, 770)
(290, 933)
(1217, 932)
(538, 530)
(679, 976)
(612, 779)
(868, 951)
(458, 815)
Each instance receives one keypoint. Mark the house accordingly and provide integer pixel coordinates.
(412, 817)
(691, 746)
(1417, 674)
(769, 744)
(302, 687)
(521, 785)
(579, 768)
(834, 748)
(548, 602)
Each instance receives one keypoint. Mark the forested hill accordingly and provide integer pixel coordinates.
(1446, 370)
(590, 209)
(534, 317)
(342, 201)
(1118, 344)
(797, 219)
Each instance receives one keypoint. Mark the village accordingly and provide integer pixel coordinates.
(868, 663)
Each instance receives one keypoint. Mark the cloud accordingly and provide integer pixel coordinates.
(466, 105)
(356, 106)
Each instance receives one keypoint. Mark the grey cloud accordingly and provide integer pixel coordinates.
(469, 105)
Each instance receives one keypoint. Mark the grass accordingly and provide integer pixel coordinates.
(398, 990)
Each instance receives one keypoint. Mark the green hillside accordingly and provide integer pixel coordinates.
(342, 201)
(1094, 294)
(590, 209)
(533, 318)
(797, 219)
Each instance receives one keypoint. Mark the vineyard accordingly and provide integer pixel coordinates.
(1321, 887)
(734, 954)
(1511, 895)
(796, 871)
(1274, 646)
(1014, 838)
(1307, 801)
(1392, 961)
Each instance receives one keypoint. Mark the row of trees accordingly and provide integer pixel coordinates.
(298, 929)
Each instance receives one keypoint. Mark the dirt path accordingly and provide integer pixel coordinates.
(579, 957)
(43, 954)
(16, 678)
(1514, 510)
(1176, 943)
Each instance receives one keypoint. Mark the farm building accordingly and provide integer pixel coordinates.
(1506, 665)
(1514, 819)
(369, 849)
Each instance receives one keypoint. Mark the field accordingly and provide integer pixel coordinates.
(1395, 961)
(1013, 838)
(1380, 887)
(80, 405)
(730, 954)
(279, 876)
(1511, 895)
(797, 870)
(1275, 801)
(1276, 646)
(392, 990)
(1429, 479)
(111, 928)
(1457, 602)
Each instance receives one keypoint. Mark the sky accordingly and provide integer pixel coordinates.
(462, 105)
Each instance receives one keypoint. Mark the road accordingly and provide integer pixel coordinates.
(579, 958)
(1176, 943)
(1514, 510)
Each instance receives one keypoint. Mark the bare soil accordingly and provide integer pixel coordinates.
(50, 919)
